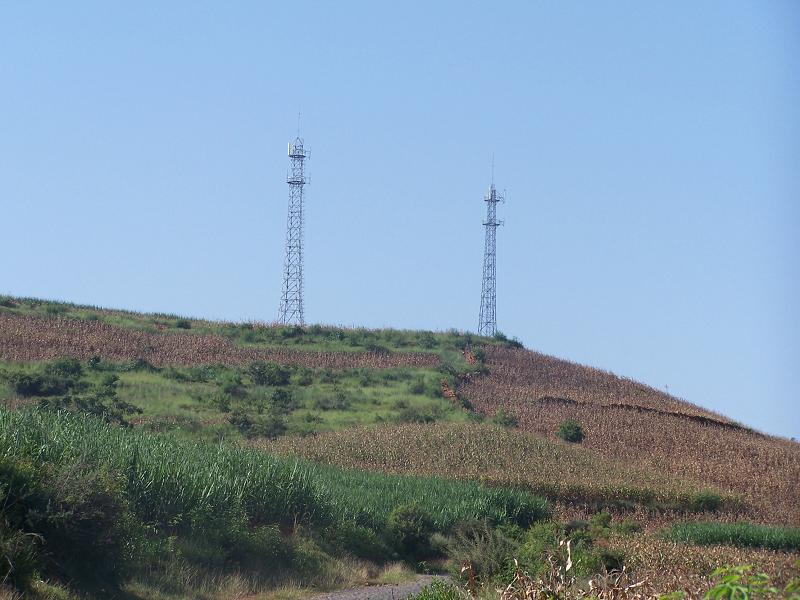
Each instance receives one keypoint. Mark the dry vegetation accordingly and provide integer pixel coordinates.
(665, 436)
(671, 566)
(26, 338)
(493, 455)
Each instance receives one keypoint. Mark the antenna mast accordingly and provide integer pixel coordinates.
(487, 321)
(291, 307)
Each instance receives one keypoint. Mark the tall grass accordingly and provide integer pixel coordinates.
(175, 482)
(169, 481)
(736, 534)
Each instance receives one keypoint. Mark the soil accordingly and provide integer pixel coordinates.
(381, 592)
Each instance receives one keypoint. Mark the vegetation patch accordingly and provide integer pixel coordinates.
(736, 534)
(494, 456)
(133, 498)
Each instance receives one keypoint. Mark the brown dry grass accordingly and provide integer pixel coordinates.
(669, 566)
(25, 338)
(574, 475)
(665, 436)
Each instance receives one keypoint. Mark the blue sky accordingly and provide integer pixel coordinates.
(650, 154)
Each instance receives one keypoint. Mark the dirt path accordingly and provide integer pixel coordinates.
(382, 592)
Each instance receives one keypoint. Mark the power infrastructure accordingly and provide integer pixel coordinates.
(487, 321)
(290, 311)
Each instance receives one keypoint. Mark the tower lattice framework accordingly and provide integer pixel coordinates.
(291, 307)
(487, 322)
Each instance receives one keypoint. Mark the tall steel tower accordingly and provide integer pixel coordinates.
(291, 308)
(487, 323)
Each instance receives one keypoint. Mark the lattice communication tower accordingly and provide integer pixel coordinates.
(291, 308)
(487, 322)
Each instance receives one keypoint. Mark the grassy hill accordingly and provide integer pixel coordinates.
(218, 459)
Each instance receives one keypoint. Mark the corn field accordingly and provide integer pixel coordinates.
(639, 426)
(28, 338)
(496, 456)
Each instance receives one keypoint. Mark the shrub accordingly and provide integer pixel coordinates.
(7, 303)
(230, 384)
(571, 431)
(282, 402)
(427, 340)
(78, 511)
(336, 401)
(505, 418)
(52, 379)
(270, 427)
(412, 414)
(740, 582)
(358, 540)
(417, 386)
(440, 590)
(488, 549)
(377, 349)
(305, 377)
(410, 528)
(706, 502)
(263, 373)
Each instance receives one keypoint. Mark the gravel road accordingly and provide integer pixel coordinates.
(381, 592)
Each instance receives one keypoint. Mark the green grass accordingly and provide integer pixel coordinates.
(195, 402)
(169, 477)
(141, 499)
(736, 534)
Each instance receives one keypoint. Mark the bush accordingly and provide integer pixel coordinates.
(64, 367)
(427, 340)
(52, 379)
(282, 402)
(440, 590)
(230, 383)
(488, 549)
(183, 324)
(417, 387)
(263, 373)
(337, 401)
(706, 502)
(412, 414)
(7, 303)
(81, 515)
(505, 418)
(360, 541)
(270, 427)
(571, 431)
(410, 528)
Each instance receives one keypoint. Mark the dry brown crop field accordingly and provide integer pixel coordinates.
(671, 566)
(26, 338)
(664, 436)
(491, 454)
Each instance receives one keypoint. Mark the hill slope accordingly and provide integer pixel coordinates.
(450, 405)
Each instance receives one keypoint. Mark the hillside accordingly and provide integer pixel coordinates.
(360, 423)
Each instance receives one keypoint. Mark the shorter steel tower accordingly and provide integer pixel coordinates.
(487, 322)
(291, 308)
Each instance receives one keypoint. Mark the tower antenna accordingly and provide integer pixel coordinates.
(290, 311)
(487, 321)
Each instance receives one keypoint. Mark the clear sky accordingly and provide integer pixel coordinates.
(650, 153)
